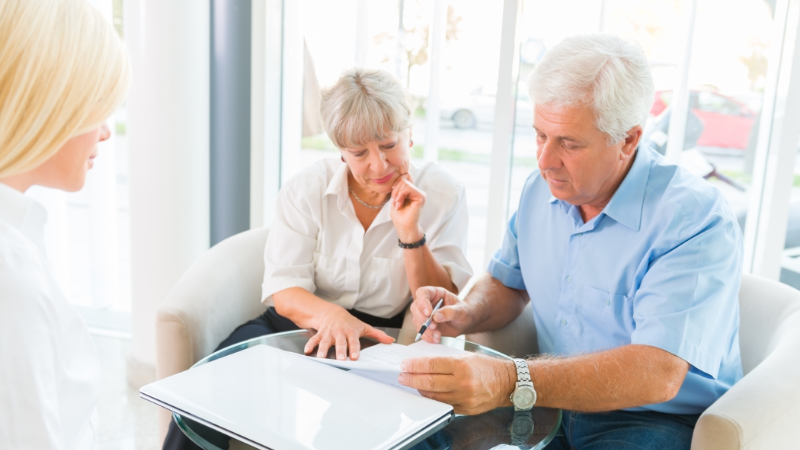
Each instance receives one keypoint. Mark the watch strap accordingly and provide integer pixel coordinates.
(523, 372)
(523, 379)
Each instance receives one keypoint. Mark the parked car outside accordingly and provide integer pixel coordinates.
(726, 121)
(477, 107)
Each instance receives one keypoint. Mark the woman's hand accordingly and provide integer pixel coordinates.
(407, 202)
(338, 327)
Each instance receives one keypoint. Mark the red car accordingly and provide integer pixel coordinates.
(726, 122)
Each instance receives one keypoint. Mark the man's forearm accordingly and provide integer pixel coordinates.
(493, 304)
(625, 377)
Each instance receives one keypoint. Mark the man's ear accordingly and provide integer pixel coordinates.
(631, 142)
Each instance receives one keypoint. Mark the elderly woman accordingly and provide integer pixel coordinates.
(63, 71)
(354, 237)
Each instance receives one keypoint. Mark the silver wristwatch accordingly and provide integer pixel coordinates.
(524, 396)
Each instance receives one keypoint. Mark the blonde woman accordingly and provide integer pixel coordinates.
(63, 71)
(355, 236)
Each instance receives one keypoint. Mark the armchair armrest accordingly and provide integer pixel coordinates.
(762, 411)
(219, 292)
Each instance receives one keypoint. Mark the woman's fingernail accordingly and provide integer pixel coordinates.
(354, 355)
(438, 317)
(401, 379)
(340, 357)
(403, 366)
(320, 355)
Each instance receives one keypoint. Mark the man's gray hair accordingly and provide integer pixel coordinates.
(364, 105)
(604, 71)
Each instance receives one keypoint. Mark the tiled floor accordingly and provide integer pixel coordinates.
(126, 422)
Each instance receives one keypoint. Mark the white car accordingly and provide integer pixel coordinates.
(477, 107)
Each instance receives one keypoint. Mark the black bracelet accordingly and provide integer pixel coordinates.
(417, 244)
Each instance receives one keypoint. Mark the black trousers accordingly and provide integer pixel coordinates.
(268, 323)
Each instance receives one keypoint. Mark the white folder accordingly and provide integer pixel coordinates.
(277, 400)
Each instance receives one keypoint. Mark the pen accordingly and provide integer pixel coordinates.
(430, 319)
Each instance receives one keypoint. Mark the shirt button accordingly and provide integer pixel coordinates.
(579, 235)
(608, 301)
(569, 279)
(563, 322)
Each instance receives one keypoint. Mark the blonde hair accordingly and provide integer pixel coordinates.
(364, 105)
(63, 71)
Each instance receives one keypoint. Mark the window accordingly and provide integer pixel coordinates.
(726, 77)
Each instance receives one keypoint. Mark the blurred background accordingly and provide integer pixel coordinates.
(725, 71)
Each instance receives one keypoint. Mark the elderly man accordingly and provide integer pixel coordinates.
(632, 267)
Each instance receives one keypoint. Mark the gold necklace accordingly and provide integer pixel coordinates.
(364, 203)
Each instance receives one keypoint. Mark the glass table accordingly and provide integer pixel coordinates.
(499, 428)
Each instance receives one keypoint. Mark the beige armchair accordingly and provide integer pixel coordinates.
(762, 411)
(222, 290)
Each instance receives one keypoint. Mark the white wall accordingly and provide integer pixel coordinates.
(168, 119)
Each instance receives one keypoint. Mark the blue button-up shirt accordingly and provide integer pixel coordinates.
(659, 266)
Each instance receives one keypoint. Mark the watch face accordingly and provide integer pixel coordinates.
(524, 397)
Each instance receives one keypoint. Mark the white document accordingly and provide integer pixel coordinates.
(273, 399)
(381, 362)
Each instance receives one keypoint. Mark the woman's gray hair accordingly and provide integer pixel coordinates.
(364, 105)
(606, 72)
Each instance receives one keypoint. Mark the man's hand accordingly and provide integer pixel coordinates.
(452, 319)
(471, 383)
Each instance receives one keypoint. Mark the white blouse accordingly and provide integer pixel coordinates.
(317, 243)
(49, 369)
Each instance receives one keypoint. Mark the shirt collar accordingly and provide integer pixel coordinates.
(22, 213)
(626, 204)
(338, 184)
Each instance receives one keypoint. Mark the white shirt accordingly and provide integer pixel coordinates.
(318, 244)
(49, 369)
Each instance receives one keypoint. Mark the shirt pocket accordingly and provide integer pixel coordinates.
(329, 275)
(606, 318)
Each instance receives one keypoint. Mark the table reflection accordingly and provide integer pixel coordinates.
(499, 427)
